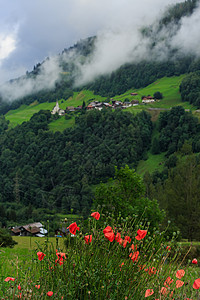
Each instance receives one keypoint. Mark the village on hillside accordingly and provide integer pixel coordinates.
(99, 105)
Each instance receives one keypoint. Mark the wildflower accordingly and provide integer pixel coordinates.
(107, 229)
(149, 292)
(19, 287)
(141, 234)
(194, 261)
(20, 295)
(41, 255)
(168, 281)
(118, 237)
(73, 227)
(121, 266)
(163, 291)
(110, 236)
(180, 274)
(134, 256)
(95, 215)
(125, 243)
(133, 247)
(127, 238)
(179, 283)
(196, 284)
(37, 286)
(88, 239)
(50, 293)
(9, 278)
(168, 248)
(60, 256)
(152, 270)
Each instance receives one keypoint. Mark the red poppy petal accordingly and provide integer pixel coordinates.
(149, 292)
(95, 215)
(179, 283)
(180, 274)
(196, 284)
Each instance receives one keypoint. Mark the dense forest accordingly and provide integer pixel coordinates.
(41, 169)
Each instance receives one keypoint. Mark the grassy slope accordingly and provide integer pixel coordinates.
(168, 86)
(24, 112)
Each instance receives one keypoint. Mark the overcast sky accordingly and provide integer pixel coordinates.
(32, 30)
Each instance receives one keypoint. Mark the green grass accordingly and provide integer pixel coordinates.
(61, 124)
(168, 86)
(153, 163)
(25, 112)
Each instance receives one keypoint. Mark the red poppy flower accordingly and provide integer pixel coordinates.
(133, 247)
(141, 234)
(121, 266)
(88, 239)
(50, 293)
(149, 292)
(179, 283)
(127, 238)
(37, 286)
(9, 278)
(134, 256)
(73, 227)
(41, 255)
(194, 261)
(118, 237)
(19, 287)
(168, 248)
(61, 256)
(152, 270)
(107, 229)
(95, 215)
(110, 236)
(168, 281)
(163, 291)
(180, 274)
(124, 243)
(196, 284)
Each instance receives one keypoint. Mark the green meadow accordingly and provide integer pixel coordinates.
(168, 86)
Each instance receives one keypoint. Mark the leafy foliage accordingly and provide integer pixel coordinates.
(42, 169)
(6, 239)
(123, 195)
(190, 88)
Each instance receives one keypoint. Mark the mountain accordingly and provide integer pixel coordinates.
(77, 67)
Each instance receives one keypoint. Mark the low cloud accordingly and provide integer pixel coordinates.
(46, 79)
(117, 25)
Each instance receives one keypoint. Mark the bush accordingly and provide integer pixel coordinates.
(158, 95)
(6, 239)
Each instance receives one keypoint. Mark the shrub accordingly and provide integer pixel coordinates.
(6, 239)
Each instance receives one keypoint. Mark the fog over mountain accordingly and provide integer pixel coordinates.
(32, 31)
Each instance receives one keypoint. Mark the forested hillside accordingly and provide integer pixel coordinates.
(56, 171)
(41, 169)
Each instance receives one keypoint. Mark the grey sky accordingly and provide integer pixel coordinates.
(32, 30)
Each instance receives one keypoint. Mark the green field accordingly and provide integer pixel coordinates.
(168, 86)
(25, 112)
(153, 163)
